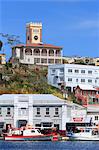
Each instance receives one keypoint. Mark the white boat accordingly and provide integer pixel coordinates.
(85, 134)
(29, 133)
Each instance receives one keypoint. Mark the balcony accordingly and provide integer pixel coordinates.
(58, 55)
(51, 54)
(36, 54)
(43, 54)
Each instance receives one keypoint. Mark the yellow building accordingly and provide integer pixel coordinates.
(33, 33)
(2, 59)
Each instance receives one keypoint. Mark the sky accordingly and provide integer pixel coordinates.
(72, 24)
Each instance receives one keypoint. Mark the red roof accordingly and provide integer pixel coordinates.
(38, 45)
(97, 88)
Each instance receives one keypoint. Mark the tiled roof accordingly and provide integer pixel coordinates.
(38, 45)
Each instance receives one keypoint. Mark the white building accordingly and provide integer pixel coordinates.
(34, 51)
(72, 75)
(93, 112)
(39, 110)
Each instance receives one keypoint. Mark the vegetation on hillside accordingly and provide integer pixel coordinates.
(22, 79)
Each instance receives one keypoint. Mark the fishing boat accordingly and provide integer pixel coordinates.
(84, 134)
(28, 135)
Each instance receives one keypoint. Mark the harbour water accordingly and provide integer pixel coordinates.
(67, 145)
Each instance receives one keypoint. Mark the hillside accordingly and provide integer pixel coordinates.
(22, 79)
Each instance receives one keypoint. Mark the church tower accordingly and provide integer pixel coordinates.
(33, 33)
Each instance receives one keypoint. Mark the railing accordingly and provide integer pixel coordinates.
(58, 55)
(43, 54)
(51, 55)
(36, 54)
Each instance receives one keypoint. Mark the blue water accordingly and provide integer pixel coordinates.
(68, 145)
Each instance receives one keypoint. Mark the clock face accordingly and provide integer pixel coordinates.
(35, 37)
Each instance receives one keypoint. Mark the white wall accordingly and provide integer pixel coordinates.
(75, 76)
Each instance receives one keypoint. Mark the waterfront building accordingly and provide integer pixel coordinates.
(2, 59)
(71, 75)
(93, 113)
(87, 95)
(35, 51)
(39, 110)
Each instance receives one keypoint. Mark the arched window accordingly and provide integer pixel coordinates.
(36, 52)
(51, 52)
(44, 52)
(58, 53)
(28, 51)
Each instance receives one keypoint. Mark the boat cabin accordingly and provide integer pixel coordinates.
(87, 131)
(31, 132)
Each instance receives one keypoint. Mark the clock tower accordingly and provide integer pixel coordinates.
(33, 33)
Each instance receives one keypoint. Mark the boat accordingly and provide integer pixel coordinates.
(31, 134)
(84, 134)
(27, 135)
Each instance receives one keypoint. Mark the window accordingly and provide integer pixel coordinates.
(28, 37)
(36, 60)
(28, 59)
(38, 111)
(47, 124)
(43, 61)
(82, 71)
(53, 71)
(76, 80)
(61, 78)
(8, 111)
(28, 51)
(76, 71)
(37, 125)
(69, 70)
(23, 111)
(96, 117)
(89, 81)
(70, 79)
(82, 80)
(0, 110)
(56, 111)
(51, 61)
(47, 111)
(89, 72)
(62, 70)
(95, 81)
